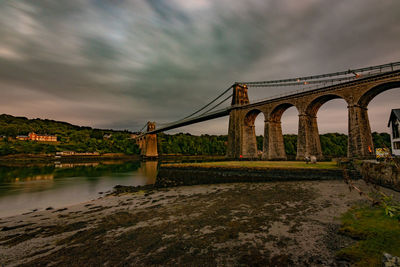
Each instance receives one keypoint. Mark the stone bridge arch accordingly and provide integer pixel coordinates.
(308, 141)
(316, 103)
(360, 137)
(249, 147)
(373, 91)
(274, 147)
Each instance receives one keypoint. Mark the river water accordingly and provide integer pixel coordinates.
(25, 189)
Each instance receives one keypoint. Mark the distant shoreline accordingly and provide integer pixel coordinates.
(51, 158)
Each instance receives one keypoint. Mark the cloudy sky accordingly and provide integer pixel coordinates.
(119, 63)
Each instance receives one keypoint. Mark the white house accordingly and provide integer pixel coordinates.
(394, 124)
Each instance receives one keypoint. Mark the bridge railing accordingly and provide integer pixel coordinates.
(348, 73)
(320, 84)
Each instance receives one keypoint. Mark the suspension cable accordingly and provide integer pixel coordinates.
(209, 110)
(143, 127)
(204, 113)
(306, 78)
(204, 107)
(215, 99)
(324, 81)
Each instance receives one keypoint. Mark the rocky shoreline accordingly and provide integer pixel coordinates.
(281, 223)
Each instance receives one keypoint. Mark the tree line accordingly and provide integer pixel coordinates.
(332, 144)
(85, 139)
(187, 144)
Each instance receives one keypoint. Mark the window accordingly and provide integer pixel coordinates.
(395, 129)
(396, 145)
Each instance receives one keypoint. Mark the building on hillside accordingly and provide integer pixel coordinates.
(88, 154)
(107, 136)
(22, 137)
(394, 125)
(73, 153)
(42, 137)
(65, 153)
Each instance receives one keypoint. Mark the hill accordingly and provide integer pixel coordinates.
(70, 137)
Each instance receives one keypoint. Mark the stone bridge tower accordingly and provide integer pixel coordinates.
(148, 142)
(239, 97)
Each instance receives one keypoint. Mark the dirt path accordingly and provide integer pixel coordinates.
(290, 223)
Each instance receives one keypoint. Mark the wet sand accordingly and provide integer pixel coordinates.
(281, 223)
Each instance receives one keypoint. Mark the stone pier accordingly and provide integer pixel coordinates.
(360, 138)
(148, 142)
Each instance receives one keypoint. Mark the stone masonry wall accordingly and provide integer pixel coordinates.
(177, 176)
(383, 174)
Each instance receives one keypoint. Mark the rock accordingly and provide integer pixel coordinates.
(390, 261)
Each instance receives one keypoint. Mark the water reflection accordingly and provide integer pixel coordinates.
(26, 188)
(72, 165)
(149, 170)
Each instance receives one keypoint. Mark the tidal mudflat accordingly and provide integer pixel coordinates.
(282, 223)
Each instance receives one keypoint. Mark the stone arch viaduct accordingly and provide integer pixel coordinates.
(242, 114)
(357, 94)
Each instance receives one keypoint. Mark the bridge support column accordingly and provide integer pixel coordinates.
(143, 143)
(139, 143)
(234, 149)
(274, 147)
(236, 142)
(360, 143)
(249, 144)
(308, 142)
(149, 143)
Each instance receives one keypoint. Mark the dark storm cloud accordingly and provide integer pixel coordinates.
(117, 64)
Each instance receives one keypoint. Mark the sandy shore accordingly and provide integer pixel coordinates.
(283, 223)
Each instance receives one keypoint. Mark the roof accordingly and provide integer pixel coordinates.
(394, 114)
(43, 135)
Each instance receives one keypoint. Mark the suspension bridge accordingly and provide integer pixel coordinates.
(356, 86)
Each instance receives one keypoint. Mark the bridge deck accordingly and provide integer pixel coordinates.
(322, 89)
(205, 117)
(225, 111)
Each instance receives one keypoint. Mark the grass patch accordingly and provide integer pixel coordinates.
(259, 164)
(377, 233)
